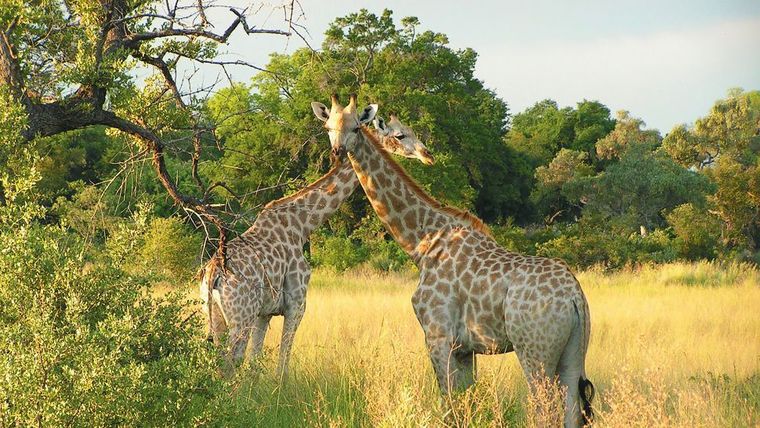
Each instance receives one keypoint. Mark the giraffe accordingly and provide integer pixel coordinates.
(266, 272)
(474, 297)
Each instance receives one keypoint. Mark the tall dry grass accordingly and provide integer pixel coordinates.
(673, 345)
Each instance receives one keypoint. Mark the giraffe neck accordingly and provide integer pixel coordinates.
(412, 216)
(304, 211)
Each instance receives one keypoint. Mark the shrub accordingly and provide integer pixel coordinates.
(382, 251)
(83, 343)
(697, 232)
(171, 248)
(576, 248)
(515, 238)
(582, 245)
(388, 256)
(337, 252)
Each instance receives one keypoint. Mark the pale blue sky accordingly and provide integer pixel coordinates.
(665, 61)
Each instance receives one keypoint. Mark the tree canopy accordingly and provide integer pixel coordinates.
(86, 142)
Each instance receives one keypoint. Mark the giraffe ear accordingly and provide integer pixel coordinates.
(368, 114)
(380, 125)
(321, 111)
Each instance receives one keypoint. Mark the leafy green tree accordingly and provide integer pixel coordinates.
(697, 232)
(411, 73)
(541, 131)
(724, 146)
(72, 65)
(627, 134)
(556, 191)
(592, 123)
(640, 189)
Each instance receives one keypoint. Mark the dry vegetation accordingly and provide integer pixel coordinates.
(675, 345)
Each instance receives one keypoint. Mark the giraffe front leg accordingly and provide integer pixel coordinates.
(236, 344)
(260, 326)
(295, 306)
(289, 327)
(445, 363)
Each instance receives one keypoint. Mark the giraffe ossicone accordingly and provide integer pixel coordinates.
(266, 272)
(474, 297)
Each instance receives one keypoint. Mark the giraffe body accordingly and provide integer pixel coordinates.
(475, 297)
(267, 273)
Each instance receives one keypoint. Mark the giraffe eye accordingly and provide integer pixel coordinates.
(401, 136)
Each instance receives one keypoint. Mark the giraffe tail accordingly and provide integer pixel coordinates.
(585, 387)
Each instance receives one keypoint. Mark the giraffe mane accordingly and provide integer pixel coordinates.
(285, 199)
(468, 217)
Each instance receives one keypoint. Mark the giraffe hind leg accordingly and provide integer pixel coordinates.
(541, 372)
(571, 376)
(466, 370)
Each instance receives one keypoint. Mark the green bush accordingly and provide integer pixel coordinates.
(383, 253)
(337, 252)
(83, 343)
(387, 255)
(697, 232)
(584, 246)
(171, 249)
(514, 238)
(576, 248)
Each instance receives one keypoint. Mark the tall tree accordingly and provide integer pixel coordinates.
(73, 64)
(639, 184)
(412, 73)
(725, 147)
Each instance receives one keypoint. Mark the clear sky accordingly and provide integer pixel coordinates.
(666, 61)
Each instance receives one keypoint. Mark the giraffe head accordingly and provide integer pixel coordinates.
(343, 124)
(401, 140)
(211, 277)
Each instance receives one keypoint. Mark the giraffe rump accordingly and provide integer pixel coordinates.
(469, 218)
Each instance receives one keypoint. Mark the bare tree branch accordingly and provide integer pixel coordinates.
(154, 144)
(135, 39)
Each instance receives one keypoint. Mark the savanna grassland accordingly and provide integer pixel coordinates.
(675, 345)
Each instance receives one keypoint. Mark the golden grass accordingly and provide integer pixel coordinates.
(675, 345)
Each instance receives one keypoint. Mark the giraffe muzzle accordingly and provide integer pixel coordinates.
(339, 152)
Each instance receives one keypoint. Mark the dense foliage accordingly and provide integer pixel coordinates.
(573, 182)
(88, 232)
(85, 343)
